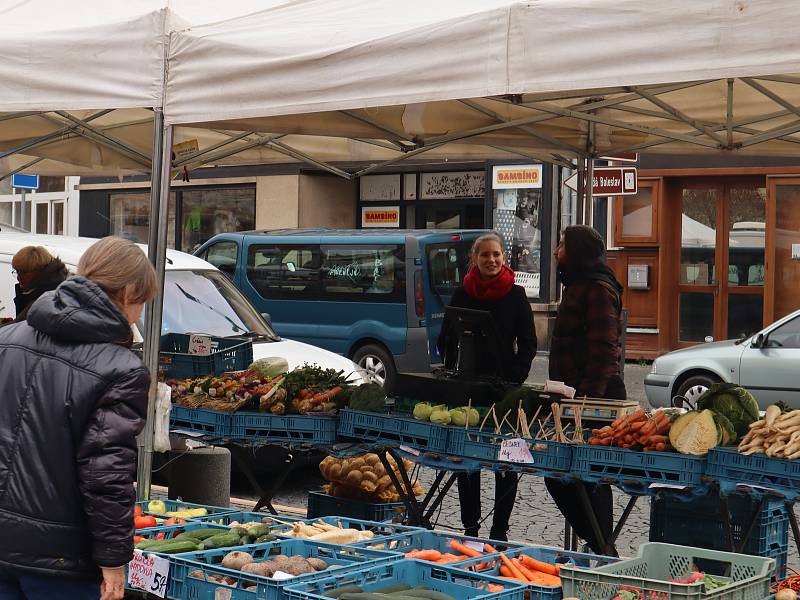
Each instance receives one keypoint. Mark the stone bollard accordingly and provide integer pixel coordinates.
(201, 475)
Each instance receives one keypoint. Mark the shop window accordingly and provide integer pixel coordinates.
(374, 274)
(223, 255)
(130, 217)
(636, 216)
(207, 212)
(51, 184)
(517, 219)
(289, 272)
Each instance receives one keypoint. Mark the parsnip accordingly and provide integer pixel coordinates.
(772, 413)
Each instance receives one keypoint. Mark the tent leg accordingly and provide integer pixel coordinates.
(157, 248)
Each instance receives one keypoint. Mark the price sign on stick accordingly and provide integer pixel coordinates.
(199, 345)
(149, 572)
(515, 450)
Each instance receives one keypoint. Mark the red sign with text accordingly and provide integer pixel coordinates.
(614, 181)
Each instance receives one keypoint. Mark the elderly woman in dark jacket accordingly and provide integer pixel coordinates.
(585, 353)
(38, 272)
(74, 399)
(489, 286)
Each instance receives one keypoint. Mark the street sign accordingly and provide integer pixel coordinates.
(609, 181)
(25, 182)
(631, 157)
(614, 181)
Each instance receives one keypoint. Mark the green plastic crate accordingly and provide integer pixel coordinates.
(657, 564)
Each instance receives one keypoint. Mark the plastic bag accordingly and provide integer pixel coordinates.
(161, 441)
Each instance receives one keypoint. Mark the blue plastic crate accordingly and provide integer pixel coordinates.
(393, 430)
(230, 354)
(242, 586)
(211, 423)
(554, 556)
(698, 523)
(379, 529)
(618, 465)
(321, 504)
(257, 427)
(728, 466)
(436, 540)
(460, 584)
(179, 505)
(484, 445)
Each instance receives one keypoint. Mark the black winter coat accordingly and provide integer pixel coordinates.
(513, 318)
(73, 400)
(48, 279)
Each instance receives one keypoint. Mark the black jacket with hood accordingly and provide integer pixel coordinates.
(48, 279)
(74, 398)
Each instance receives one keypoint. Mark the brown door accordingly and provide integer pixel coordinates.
(721, 264)
(783, 248)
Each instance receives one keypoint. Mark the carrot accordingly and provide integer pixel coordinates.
(303, 394)
(464, 549)
(506, 574)
(493, 587)
(524, 570)
(489, 549)
(660, 447)
(512, 567)
(429, 555)
(538, 565)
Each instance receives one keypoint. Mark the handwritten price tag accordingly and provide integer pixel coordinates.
(149, 572)
(515, 450)
(199, 345)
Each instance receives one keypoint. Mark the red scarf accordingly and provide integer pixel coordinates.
(489, 290)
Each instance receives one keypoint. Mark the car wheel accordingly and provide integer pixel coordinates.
(378, 364)
(695, 386)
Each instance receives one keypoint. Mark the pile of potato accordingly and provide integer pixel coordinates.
(363, 478)
(244, 562)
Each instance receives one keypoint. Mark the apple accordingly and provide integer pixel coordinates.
(157, 506)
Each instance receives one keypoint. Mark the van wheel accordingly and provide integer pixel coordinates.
(378, 363)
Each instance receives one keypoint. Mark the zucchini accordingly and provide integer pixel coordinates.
(363, 596)
(188, 535)
(266, 538)
(226, 540)
(240, 531)
(144, 544)
(345, 589)
(256, 531)
(173, 547)
(201, 534)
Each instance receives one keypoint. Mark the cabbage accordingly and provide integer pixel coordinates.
(422, 411)
(473, 417)
(272, 366)
(725, 430)
(694, 433)
(458, 416)
(440, 416)
(732, 401)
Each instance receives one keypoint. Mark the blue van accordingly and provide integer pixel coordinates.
(377, 297)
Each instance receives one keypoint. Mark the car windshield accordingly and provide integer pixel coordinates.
(206, 302)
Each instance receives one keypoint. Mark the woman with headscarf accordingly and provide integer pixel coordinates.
(489, 286)
(585, 353)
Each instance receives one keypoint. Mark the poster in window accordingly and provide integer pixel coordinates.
(517, 204)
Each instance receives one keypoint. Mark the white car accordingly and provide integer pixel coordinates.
(198, 298)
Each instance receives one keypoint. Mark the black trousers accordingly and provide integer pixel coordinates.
(469, 495)
(568, 500)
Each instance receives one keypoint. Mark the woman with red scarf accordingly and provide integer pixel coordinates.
(489, 286)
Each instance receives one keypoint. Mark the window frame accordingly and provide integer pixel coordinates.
(632, 240)
(208, 250)
(312, 291)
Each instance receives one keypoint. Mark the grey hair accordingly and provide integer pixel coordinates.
(492, 236)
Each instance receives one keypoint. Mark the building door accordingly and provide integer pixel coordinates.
(721, 258)
(783, 248)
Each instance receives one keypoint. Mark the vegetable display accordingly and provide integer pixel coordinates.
(732, 401)
(265, 387)
(636, 431)
(777, 435)
(321, 531)
(370, 397)
(460, 416)
(363, 478)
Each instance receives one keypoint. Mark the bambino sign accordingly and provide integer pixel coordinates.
(516, 177)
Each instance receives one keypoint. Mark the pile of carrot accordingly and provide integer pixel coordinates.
(636, 431)
(526, 569)
(460, 552)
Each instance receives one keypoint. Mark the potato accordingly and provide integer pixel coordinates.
(236, 560)
(254, 568)
(197, 574)
(297, 565)
(317, 563)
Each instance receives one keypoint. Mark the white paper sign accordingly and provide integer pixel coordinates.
(515, 450)
(149, 572)
(669, 486)
(413, 451)
(199, 345)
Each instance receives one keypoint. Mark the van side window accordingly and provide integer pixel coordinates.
(447, 265)
(363, 273)
(284, 271)
(223, 255)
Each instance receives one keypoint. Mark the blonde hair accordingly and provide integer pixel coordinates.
(121, 269)
(487, 237)
(32, 258)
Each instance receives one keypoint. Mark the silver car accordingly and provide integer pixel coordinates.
(767, 364)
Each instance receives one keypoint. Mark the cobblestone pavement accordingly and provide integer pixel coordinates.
(535, 518)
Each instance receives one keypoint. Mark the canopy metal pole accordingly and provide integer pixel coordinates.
(157, 252)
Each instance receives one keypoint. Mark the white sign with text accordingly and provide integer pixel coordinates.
(514, 450)
(199, 345)
(149, 572)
